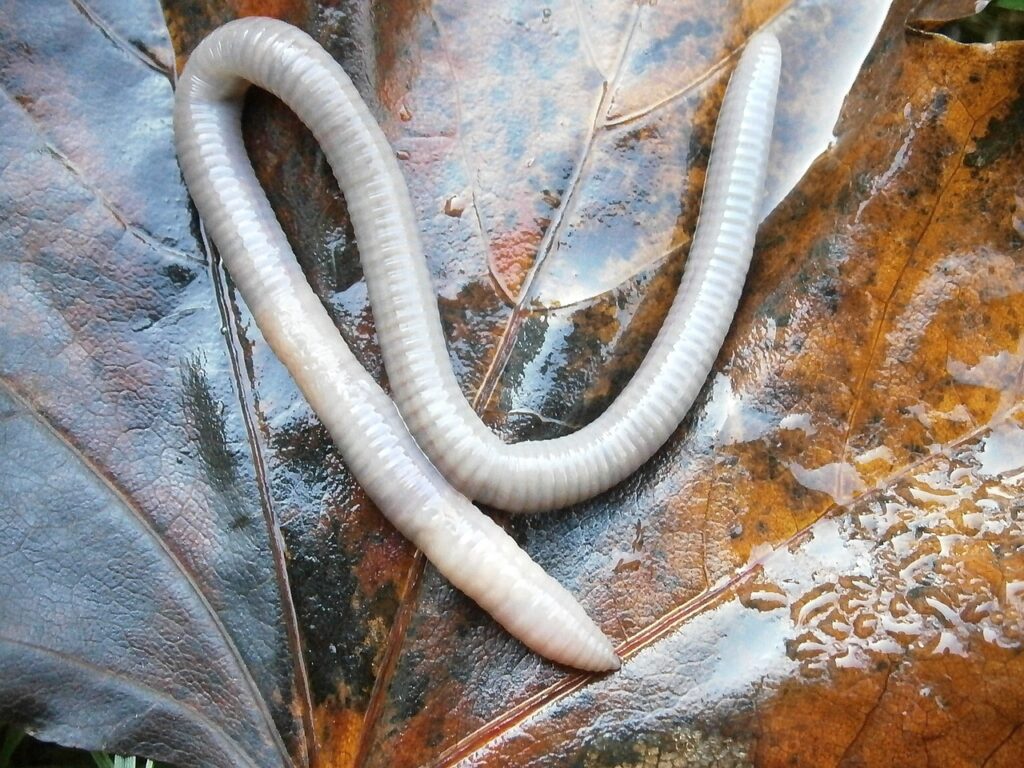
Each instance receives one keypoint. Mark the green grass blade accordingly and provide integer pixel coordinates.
(12, 738)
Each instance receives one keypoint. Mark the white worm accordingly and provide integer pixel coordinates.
(465, 545)
(547, 474)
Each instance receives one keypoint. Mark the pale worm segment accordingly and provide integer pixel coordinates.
(475, 554)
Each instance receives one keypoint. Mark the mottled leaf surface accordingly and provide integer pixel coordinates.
(824, 566)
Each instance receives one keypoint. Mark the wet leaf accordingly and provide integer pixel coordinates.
(141, 608)
(822, 567)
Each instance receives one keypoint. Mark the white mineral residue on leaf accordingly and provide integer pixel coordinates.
(1001, 372)
(931, 497)
(831, 548)
(730, 419)
(990, 371)
(839, 479)
(816, 605)
(922, 413)
(973, 520)
(928, 416)
(994, 277)
(1015, 593)
(959, 414)
(885, 516)
(1001, 493)
(765, 599)
(798, 421)
(1003, 453)
(918, 567)
(897, 166)
(878, 453)
(718, 656)
(949, 642)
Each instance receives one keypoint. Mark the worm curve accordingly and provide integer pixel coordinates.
(406, 476)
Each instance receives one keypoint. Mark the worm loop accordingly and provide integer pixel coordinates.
(466, 546)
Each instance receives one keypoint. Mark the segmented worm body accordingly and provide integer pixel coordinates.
(406, 477)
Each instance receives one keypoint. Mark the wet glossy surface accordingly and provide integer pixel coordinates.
(128, 414)
(833, 538)
(818, 417)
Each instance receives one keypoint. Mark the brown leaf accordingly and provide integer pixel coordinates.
(822, 567)
(824, 377)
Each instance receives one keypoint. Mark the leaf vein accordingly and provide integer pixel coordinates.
(135, 683)
(275, 539)
(181, 567)
(137, 52)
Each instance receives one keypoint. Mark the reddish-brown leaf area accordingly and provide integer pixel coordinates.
(824, 566)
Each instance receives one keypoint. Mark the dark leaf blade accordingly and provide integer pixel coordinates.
(106, 641)
(111, 333)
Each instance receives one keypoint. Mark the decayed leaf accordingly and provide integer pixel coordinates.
(819, 541)
(823, 565)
